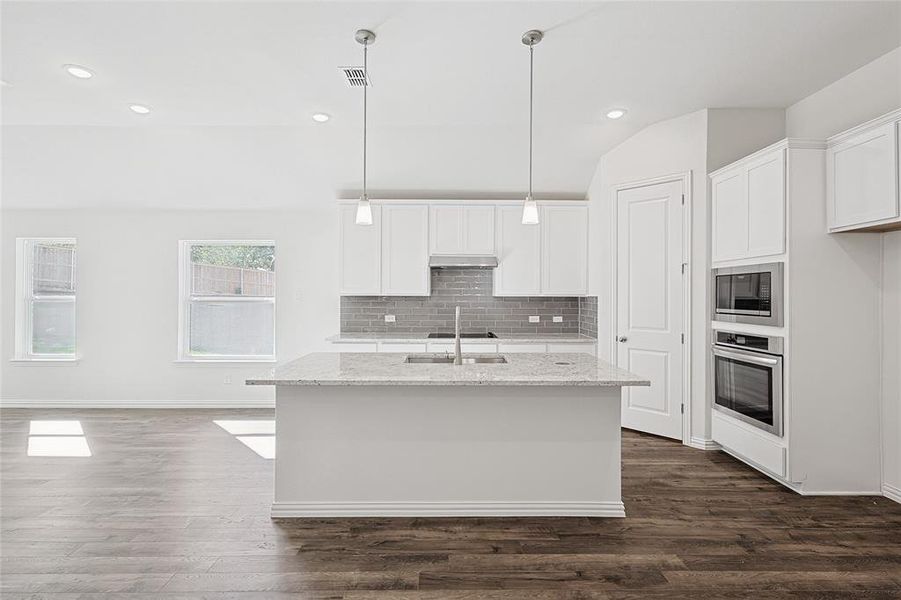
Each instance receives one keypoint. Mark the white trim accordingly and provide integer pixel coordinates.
(120, 403)
(888, 117)
(224, 361)
(686, 179)
(45, 362)
(891, 492)
(784, 144)
(448, 509)
(703, 444)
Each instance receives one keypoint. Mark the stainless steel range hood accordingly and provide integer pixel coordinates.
(474, 262)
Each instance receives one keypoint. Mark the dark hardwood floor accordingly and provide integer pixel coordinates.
(170, 506)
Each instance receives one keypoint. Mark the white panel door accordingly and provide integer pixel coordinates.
(766, 206)
(564, 250)
(861, 178)
(730, 216)
(405, 250)
(446, 229)
(518, 254)
(478, 230)
(649, 305)
(359, 252)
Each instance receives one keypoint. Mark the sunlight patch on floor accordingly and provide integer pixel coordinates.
(55, 438)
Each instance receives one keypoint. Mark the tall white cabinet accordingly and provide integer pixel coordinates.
(769, 207)
(359, 252)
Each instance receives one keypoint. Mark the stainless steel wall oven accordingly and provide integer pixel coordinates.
(748, 378)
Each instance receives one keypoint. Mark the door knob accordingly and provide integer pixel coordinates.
(622, 338)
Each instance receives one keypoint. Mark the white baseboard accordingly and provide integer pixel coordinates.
(703, 444)
(119, 403)
(447, 509)
(891, 492)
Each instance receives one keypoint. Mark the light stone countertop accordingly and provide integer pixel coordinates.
(389, 368)
(420, 338)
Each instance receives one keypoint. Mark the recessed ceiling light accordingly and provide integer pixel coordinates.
(78, 71)
(321, 117)
(140, 109)
(616, 113)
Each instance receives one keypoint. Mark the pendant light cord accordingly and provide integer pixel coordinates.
(365, 86)
(531, 86)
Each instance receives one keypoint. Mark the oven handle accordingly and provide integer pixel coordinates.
(750, 357)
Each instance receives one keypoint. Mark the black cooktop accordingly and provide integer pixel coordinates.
(463, 335)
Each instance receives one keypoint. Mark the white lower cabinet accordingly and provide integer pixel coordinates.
(512, 348)
(573, 347)
(354, 347)
(401, 347)
(761, 449)
(470, 347)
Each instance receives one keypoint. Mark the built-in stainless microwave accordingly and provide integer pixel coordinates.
(747, 375)
(749, 294)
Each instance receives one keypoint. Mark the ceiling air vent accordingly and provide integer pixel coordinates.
(355, 77)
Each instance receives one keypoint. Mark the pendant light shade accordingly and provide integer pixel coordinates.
(530, 211)
(364, 209)
(530, 207)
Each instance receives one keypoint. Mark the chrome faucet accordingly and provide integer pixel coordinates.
(458, 355)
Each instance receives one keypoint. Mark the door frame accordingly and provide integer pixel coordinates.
(685, 178)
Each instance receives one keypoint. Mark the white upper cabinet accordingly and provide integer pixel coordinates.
(748, 207)
(359, 251)
(405, 250)
(518, 253)
(862, 177)
(564, 249)
(459, 229)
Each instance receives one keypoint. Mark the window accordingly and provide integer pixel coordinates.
(227, 300)
(45, 310)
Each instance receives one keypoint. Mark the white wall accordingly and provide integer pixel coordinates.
(127, 302)
(865, 94)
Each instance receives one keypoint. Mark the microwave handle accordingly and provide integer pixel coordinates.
(750, 357)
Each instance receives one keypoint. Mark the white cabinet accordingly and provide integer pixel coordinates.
(862, 177)
(405, 250)
(359, 250)
(460, 229)
(518, 272)
(572, 348)
(467, 347)
(564, 250)
(748, 207)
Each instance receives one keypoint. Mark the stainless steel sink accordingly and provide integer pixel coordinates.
(444, 359)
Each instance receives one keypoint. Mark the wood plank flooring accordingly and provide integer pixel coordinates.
(171, 506)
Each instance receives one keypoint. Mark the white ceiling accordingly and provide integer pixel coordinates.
(233, 84)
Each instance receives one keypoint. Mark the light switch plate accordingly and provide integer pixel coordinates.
(558, 319)
(534, 319)
(390, 319)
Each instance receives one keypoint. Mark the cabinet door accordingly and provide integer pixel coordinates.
(766, 206)
(359, 251)
(478, 230)
(730, 216)
(518, 254)
(564, 250)
(446, 229)
(861, 178)
(405, 250)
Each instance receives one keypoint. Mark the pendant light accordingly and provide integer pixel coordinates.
(364, 209)
(530, 206)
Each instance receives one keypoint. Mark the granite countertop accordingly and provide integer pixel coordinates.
(420, 338)
(389, 368)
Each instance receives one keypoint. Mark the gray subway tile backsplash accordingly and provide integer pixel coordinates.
(471, 290)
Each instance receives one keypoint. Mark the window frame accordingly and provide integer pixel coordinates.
(25, 297)
(185, 298)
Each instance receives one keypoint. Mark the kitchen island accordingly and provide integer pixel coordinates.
(370, 434)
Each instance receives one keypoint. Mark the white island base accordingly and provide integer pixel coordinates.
(432, 450)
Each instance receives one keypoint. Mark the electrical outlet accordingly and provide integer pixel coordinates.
(390, 319)
(534, 319)
(227, 380)
(558, 319)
